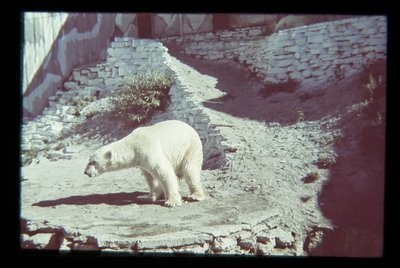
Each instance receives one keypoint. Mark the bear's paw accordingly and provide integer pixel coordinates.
(173, 201)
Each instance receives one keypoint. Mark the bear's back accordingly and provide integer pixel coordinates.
(172, 134)
(172, 138)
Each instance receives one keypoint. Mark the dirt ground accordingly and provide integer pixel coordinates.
(302, 170)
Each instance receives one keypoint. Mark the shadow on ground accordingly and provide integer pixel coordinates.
(353, 196)
(248, 97)
(114, 199)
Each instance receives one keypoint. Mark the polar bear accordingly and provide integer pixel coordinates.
(164, 152)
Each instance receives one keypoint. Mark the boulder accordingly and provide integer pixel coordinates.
(100, 106)
(39, 241)
(71, 85)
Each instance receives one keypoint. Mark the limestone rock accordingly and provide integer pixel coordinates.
(224, 243)
(71, 85)
(65, 245)
(247, 243)
(39, 241)
(265, 249)
(283, 238)
(172, 240)
(99, 106)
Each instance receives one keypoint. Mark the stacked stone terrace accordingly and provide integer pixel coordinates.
(313, 54)
(126, 56)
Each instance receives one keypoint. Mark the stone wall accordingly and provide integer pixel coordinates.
(64, 43)
(312, 55)
(126, 56)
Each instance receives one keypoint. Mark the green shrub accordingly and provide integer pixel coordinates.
(311, 177)
(82, 101)
(141, 96)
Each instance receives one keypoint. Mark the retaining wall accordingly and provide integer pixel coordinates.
(126, 56)
(312, 54)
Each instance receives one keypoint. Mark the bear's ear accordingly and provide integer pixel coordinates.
(108, 155)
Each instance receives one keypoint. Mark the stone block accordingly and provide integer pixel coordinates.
(306, 73)
(95, 82)
(169, 240)
(71, 85)
(296, 75)
(48, 111)
(119, 64)
(255, 32)
(39, 241)
(302, 66)
(65, 100)
(83, 80)
(317, 51)
(56, 127)
(92, 75)
(265, 238)
(127, 69)
(369, 31)
(285, 63)
(265, 249)
(53, 104)
(76, 75)
(293, 49)
(117, 52)
(53, 98)
(117, 44)
(224, 243)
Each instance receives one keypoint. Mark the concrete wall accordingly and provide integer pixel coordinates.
(312, 54)
(56, 43)
(40, 31)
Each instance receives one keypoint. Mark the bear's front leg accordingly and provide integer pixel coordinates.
(169, 183)
(156, 192)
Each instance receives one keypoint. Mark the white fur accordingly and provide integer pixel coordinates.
(163, 152)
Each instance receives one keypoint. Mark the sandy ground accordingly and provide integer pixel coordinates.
(267, 187)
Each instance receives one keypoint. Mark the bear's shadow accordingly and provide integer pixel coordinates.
(114, 199)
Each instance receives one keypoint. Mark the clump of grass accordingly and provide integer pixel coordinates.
(326, 160)
(373, 79)
(83, 101)
(358, 108)
(305, 199)
(340, 72)
(28, 156)
(374, 85)
(300, 116)
(59, 146)
(311, 177)
(141, 96)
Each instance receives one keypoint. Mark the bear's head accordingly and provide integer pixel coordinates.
(99, 163)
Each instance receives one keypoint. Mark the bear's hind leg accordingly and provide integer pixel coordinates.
(191, 173)
(156, 192)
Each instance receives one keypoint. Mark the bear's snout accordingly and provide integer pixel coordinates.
(89, 171)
